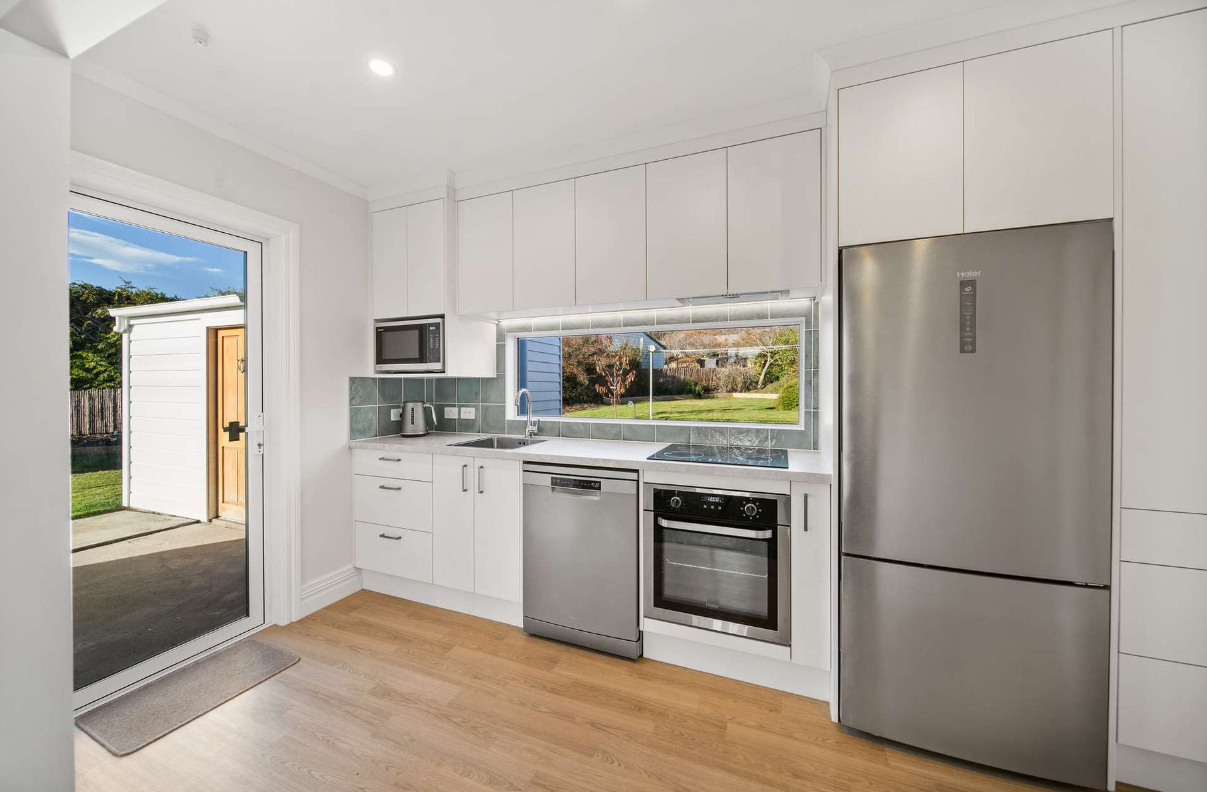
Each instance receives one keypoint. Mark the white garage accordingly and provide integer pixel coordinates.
(182, 379)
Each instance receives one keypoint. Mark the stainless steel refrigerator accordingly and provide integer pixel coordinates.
(976, 496)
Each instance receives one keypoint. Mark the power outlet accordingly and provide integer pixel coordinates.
(450, 412)
(468, 412)
(395, 413)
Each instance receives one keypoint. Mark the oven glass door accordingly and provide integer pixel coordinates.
(724, 577)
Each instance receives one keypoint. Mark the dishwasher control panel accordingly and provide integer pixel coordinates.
(589, 485)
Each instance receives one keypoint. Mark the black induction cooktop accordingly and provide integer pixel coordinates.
(723, 455)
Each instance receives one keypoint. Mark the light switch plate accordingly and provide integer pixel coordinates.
(450, 412)
(468, 412)
(395, 413)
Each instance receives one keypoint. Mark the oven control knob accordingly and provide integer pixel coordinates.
(676, 501)
(750, 509)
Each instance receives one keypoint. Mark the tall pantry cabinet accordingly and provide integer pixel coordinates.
(1163, 577)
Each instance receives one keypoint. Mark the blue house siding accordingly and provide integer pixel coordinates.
(539, 369)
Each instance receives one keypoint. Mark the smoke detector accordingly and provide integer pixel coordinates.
(201, 37)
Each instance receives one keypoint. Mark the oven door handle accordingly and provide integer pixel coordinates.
(719, 530)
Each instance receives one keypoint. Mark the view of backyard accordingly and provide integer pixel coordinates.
(726, 374)
(724, 407)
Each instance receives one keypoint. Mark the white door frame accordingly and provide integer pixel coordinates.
(281, 370)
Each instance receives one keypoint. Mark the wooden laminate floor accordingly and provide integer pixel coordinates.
(390, 695)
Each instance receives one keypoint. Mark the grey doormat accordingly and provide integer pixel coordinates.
(142, 717)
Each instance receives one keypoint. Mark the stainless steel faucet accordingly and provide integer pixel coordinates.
(530, 429)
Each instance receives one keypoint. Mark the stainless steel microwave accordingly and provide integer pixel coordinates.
(409, 345)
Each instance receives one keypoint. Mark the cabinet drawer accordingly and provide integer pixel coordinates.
(1168, 538)
(393, 502)
(1163, 707)
(1163, 612)
(416, 467)
(394, 551)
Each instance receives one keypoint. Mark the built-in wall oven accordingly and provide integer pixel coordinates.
(409, 346)
(719, 560)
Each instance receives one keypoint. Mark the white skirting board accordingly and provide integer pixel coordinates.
(1157, 771)
(447, 598)
(321, 592)
(755, 669)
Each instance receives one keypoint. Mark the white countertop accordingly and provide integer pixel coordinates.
(806, 466)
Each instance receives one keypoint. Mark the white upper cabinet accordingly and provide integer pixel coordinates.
(426, 246)
(900, 157)
(686, 210)
(1039, 135)
(544, 246)
(390, 264)
(775, 214)
(609, 222)
(484, 254)
(1164, 453)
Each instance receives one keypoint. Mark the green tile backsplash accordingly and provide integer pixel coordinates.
(370, 398)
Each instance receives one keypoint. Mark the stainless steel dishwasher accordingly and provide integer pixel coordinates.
(581, 557)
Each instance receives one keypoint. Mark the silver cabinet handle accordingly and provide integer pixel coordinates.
(387, 536)
(719, 530)
(464, 478)
(481, 483)
(389, 459)
(388, 487)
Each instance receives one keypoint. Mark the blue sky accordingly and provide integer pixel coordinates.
(104, 252)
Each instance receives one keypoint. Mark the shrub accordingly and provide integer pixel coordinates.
(789, 398)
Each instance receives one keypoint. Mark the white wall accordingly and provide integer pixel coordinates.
(334, 281)
(35, 538)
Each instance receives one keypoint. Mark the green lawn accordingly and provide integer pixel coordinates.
(721, 408)
(95, 493)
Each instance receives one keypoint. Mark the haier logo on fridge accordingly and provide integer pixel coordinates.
(969, 274)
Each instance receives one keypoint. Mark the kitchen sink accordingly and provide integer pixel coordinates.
(498, 441)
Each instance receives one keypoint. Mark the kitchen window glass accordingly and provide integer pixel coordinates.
(737, 374)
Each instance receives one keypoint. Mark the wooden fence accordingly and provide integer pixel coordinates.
(96, 412)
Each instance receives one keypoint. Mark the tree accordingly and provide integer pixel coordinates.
(96, 350)
(778, 351)
(615, 366)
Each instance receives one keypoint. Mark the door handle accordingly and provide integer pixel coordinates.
(718, 530)
(389, 459)
(464, 478)
(481, 483)
(388, 536)
(233, 430)
(387, 487)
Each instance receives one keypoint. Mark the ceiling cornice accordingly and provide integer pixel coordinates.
(974, 24)
(190, 115)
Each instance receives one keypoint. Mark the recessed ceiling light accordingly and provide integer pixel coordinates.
(384, 68)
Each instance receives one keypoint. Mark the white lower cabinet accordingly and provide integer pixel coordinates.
(1163, 706)
(394, 551)
(498, 487)
(398, 503)
(453, 522)
(476, 525)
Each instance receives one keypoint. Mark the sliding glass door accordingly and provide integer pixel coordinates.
(167, 473)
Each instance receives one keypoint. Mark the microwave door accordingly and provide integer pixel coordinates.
(400, 345)
(409, 346)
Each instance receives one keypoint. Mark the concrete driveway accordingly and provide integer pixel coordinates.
(138, 597)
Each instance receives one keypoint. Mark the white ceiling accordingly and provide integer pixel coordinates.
(483, 83)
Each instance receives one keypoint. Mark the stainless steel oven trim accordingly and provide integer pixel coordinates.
(782, 635)
(436, 367)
